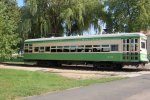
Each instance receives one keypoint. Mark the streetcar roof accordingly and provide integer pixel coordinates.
(87, 36)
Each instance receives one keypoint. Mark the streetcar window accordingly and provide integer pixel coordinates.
(136, 54)
(53, 50)
(47, 49)
(105, 49)
(114, 47)
(36, 49)
(26, 45)
(88, 50)
(30, 48)
(136, 47)
(105, 45)
(124, 41)
(41, 49)
(65, 50)
(66, 47)
(88, 46)
(136, 58)
(97, 49)
(30, 51)
(96, 45)
(127, 47)
(73, 49)
(127, 40)
(124, 47)
(132, 40)
(136, 40)
(26, 50)
(59, 50)
(53, 46)
(30, 44)
(59, 46)
(143, 45)
(80, 48)
(132, 47)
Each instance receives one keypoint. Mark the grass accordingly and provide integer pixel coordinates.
(16, 83)
(14, 59)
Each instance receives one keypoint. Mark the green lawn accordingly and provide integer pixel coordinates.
(17, 83)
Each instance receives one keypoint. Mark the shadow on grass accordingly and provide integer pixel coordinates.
(81, 67)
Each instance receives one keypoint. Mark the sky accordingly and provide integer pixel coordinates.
(20, 2)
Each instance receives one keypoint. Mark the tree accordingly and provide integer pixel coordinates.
(128, 15)
(8, 24)
(43, 18)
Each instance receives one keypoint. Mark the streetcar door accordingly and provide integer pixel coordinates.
(143, 46)
(130, 49)
(143, 50)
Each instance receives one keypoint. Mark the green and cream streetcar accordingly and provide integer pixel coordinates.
(100, 50)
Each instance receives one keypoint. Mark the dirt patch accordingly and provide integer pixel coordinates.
(82, 72)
